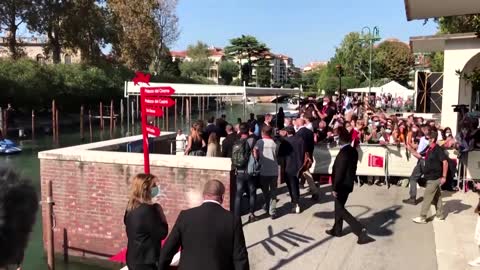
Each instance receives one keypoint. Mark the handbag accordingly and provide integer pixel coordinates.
(253, 167)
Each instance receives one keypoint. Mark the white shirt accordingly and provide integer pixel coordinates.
(309, 126)
(181, 140)
(212, 201)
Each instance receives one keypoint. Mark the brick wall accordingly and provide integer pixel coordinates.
(90, 200)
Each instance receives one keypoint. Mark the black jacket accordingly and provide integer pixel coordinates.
(210, 237)
(292, 150)
(227, 145)
(308, 140)
(145, 232)
(345, 170)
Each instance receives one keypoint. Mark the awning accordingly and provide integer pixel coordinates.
(424, 9)
(436, 43)
(201, 90)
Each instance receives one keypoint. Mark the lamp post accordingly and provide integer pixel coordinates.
(370, 36)
(339, 74)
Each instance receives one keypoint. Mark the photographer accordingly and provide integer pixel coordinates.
(18, 208)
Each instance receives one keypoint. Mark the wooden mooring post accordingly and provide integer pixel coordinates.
(81, 123)
(49, 230)
(33, 124)
(57, 127)
(54, 129)
(101, 115)
(122, 111)
(90, 124)
(111, 118)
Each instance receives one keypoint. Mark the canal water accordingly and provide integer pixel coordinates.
(28, 164)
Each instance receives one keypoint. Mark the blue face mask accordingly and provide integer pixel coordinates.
(155, 192)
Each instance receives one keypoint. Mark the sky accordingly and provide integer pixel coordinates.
(306, 30)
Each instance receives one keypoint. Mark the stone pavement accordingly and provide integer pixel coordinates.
(299, 241)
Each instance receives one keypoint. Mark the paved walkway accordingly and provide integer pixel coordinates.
(299, 241)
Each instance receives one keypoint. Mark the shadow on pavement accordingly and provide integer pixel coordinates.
(276, 240)
(455, 207)
(377, 225)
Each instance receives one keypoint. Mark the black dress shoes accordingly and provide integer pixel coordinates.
(331, 232)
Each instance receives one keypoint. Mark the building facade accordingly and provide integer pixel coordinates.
(281, 66)
(33, 48)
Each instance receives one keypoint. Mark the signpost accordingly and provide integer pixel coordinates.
(153, 99)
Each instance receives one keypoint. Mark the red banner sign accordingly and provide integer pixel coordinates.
(155, 131)
(157, 91)
(159, 101)
(154, 111)
(375, 161)
(152, 99)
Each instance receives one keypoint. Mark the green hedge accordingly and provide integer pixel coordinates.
(30, 85)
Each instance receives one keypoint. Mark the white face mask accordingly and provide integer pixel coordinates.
(335, 138)
(414, 129)
(377, 124)
(448, 134)
(388, 131)
(325, 103)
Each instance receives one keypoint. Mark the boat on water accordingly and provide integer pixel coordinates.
(8, 147)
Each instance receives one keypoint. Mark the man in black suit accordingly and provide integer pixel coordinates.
(309, 145)
(210, 236)
(343, 175)
(211, 127)
(293, 152)
(227, 144)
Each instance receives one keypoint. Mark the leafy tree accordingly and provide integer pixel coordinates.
(87, 28)
(166, 66)
(459, 24)
(195, 68)
(167, 22)
(310, 79)
(395, 61)
(12, 14)
(198, 51)
(248, 48)
(228, 70)
(199, 63)
(264, 75)
(352, 54)
(137, 32)
(50, 18)
(436, 61)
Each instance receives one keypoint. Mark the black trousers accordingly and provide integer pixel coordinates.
(417, 174)
(293, 187)
(342, 214)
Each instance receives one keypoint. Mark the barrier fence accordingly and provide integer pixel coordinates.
(390, 160)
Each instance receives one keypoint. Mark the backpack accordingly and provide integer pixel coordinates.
(240, 154)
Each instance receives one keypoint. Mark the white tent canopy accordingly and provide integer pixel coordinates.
(393, 88)
(396, 89)
(364, 90)
(202, 90)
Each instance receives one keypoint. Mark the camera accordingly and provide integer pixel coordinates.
(461, 108)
